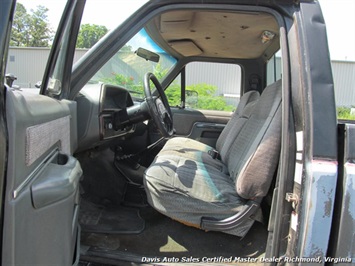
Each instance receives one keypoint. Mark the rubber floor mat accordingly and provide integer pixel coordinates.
(111, 219)
(135, 196)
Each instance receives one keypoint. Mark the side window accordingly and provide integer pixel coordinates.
(56, 80)
(274, 69)
(209, 86)
(173, 92)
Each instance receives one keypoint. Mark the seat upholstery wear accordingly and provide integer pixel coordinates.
(198, 151)
(228, 134)
(188, 186)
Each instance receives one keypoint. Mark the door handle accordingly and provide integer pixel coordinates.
(210, 125)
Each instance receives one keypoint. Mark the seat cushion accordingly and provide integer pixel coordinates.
(189, 145)
(187, 190)
(201, 156)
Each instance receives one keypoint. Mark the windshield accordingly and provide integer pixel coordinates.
(126, 69)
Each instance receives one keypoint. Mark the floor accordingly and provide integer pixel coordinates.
(163, 239)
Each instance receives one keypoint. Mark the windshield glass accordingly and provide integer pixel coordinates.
(126, 69)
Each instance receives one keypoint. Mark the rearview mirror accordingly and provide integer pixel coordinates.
(147, 55)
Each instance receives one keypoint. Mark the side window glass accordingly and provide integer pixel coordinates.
(274, 69)
(54, 86)
(56, 80)
(207, 87)
(173, 92)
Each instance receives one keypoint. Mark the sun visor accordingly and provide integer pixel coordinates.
(186, 47)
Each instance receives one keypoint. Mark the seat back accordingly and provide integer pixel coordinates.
(254, 154)
(238, 119)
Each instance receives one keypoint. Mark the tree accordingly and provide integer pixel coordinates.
(203, 96)
(31, 30)
(20, 25)
(90, 34)
(39, 31)
(207, 98)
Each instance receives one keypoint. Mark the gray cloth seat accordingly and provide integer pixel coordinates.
(195, 150)
(226, 137)
(221, 195)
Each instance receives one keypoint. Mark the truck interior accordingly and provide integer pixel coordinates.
(161, 177)
(194, 132)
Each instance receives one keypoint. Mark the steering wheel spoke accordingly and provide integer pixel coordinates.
(158, 106)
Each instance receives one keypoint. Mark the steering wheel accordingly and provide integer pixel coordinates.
(158, 106)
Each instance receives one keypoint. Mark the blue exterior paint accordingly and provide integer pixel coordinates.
(317, 211)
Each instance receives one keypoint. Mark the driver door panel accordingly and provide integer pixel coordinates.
(40, 200)
(40, 225)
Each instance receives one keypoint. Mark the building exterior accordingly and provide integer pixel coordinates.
(344, 82)
(21, 62)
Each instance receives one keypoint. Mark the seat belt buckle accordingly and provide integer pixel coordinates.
(214, 154)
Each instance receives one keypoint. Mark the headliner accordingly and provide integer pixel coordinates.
(236, 35)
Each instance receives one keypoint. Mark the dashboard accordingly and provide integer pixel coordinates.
(102, 114)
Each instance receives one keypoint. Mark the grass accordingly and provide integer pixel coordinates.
(344, 113)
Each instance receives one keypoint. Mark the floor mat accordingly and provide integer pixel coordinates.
(164, 237)
(110, 219)
(135, 196)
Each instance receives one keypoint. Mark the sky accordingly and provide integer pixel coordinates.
(340, 22)
(338, 15)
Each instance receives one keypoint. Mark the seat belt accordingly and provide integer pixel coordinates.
(214, 154)
(254, 82)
